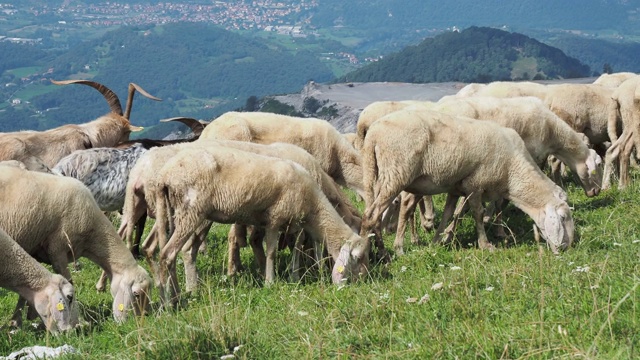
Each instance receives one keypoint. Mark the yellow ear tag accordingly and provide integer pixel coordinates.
(340, 269)
(121, 307)
(593, 172)
(60, 306)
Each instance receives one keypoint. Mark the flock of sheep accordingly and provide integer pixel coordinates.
(279, 180)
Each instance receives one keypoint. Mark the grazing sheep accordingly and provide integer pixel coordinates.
(504, 89)
(318, 137)
(587, 108)
(541, 130)
(375, 111)
(141, 174)
(48, 147)
(613, 80)
(462, 157)
(64, 223)
(627, 96)
(50, 294)
(233, 186)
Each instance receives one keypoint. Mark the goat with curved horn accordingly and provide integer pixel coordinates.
(46, 148)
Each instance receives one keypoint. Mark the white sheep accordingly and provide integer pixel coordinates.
(613, 80)
(233, 186)
(56, 220)
(46, 148)
(462, 157)
(504, 89)
(542, 131)
(627, 95)
(50, 294)
(587, 108)
(375, 111)
(144, 171)
(318, 137)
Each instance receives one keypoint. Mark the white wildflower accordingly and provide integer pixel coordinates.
(424, 299)
(455, 268)
(403, 269)
(489, 288)
(235, 349)
(226, 357)
(581, 269)
(437, 286)
(636, 241)
(617, 244)
(411, 300)
(303, 313)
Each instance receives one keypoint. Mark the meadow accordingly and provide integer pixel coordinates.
(436, 302)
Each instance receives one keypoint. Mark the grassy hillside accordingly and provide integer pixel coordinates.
(520, 302)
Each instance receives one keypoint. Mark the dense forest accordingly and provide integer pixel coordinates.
(476, 54)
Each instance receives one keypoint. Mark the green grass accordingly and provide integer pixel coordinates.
(24, 71)
(520, 302)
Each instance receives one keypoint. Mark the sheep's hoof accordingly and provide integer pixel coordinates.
(398, 250)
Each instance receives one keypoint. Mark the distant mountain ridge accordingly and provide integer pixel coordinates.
(476, 54)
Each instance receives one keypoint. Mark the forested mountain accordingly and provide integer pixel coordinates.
(476, 54)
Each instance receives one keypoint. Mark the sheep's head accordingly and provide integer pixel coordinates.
(589, 174)
(556, 225)
(130, 291)
(56, 305)
(352, 260)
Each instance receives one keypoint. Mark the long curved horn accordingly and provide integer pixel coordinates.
(196, 126)
(110, 96)
(132, 91)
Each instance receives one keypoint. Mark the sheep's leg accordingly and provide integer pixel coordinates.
(390, 216)
(499, 206)
(16, 318)
(149, 247)
(475, 202)
(271, 238)
(189, 255)
(408, 202)
(255, 239)
(168, 283)
(624, 159)
(612, 154)
(556, 171)
(447, 214)
(297, 252)
(236, 233)
(102, 282)
(427, 212)
(135, 246)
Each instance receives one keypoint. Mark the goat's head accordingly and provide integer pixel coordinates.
(130, 291)
(114, 102)
(56, 305)
(352, 261)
